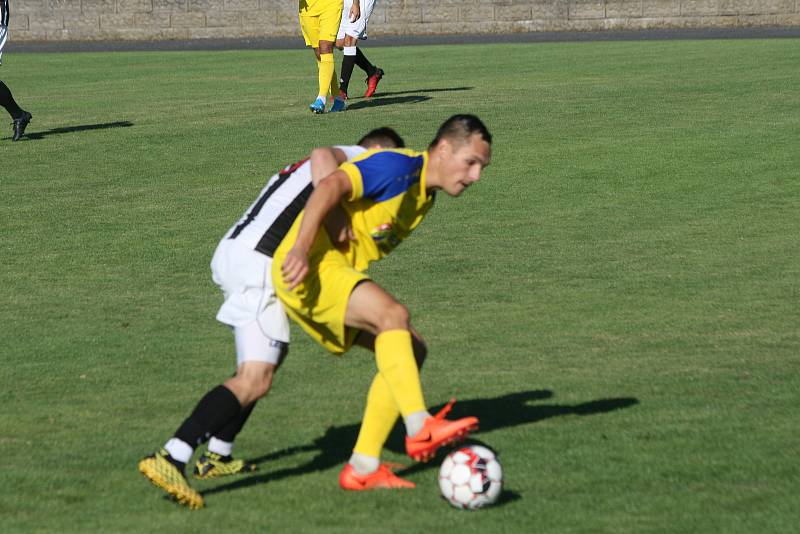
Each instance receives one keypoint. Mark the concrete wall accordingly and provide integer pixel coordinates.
(54, 20)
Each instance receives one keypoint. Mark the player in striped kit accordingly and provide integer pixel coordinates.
(355, 17)
(4, 18)
(241, 266)
(19, 117)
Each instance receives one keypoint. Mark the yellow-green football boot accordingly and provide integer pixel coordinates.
(169, 478)
(212, 465)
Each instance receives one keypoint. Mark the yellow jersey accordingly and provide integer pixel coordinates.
(387, 202)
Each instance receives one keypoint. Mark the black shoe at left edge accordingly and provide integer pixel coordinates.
(20, 124)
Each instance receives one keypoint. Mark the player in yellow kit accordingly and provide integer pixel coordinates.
(386, 194)
(319, 21)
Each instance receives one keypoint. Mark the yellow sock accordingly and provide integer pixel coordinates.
(319, 68)
(327, 74)
(379, 417)
(395, 356)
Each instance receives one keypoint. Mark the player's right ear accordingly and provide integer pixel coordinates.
(444, 147)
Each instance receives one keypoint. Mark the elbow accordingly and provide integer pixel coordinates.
(318, 156)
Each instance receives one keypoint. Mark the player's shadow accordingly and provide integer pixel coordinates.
(381, 101)
(417, 91)
(36, 136)
(391, 97)
(334, 447)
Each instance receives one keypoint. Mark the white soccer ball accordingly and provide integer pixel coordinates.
(471, 477)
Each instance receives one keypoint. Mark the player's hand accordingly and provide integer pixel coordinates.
(355, 12)
(294, 268)
(344, 238)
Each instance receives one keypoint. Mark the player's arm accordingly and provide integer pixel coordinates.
(324, 161)
(325, 196)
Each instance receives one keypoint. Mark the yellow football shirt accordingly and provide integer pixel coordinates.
(388, 201)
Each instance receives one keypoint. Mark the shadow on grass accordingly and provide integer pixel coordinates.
(416, 91)
(36, 136)
(392, 98)
(381, 101)
(334, 447)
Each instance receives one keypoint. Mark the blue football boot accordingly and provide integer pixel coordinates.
(338, 105)
(317, 106)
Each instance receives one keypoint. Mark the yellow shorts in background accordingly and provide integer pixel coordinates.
(319, 304)
(319, 20)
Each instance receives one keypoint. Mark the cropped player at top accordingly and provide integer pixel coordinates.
(325, 289)
(19, 117)
(319, 22)
(352, 30)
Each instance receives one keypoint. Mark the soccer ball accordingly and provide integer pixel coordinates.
(471, 477)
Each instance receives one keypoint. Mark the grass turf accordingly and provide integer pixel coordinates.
(617, 299)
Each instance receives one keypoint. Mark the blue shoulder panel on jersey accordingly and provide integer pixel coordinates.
(388, 174)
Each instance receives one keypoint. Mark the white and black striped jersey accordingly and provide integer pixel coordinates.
(3, 26)
(270, 217)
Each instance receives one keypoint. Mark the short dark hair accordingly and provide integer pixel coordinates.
(459, 128)
(384, 136)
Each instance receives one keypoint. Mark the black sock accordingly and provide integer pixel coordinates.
(229, 432)
(212, 413)
(363, 63)
(7, 101)
(348, 62)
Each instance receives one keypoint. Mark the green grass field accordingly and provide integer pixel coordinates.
(618, 299)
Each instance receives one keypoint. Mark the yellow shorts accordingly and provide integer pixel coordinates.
(319, 304)
(319, 20)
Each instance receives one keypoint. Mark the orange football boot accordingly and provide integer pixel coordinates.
(438, 431)
(382, 478)
(372, 82)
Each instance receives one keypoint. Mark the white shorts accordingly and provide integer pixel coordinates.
(357, 29)
(253, 345)
(3, 39)
(261, 327)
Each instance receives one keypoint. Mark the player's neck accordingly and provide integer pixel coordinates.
(432, 174)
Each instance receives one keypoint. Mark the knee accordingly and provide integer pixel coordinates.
(263, 384)
(394, 317)
(257, 385)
